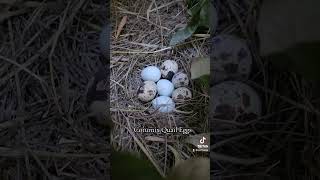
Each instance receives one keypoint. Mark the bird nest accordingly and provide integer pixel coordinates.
(143, 42)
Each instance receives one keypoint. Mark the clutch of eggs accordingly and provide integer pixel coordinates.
(166, 82)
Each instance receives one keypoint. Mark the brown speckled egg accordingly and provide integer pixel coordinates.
(231, 58)
(147, 91)
(168, 68)
(181, 94)
(180, 80)
(233, 100)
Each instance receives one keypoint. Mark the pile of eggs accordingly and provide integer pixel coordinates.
(164, 86)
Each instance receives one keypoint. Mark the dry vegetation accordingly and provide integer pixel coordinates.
(284, 142)
(144, 41)
(48, 54)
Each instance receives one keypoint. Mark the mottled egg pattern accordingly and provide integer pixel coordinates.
(181, 94)
(180, 80)
(168, 69)
(147, 91)
(231, 58)
(234, 100)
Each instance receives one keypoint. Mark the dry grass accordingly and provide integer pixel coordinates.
(281, 144)
(48, 54)
(144, 41)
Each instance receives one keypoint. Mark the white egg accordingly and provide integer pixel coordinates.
(164, 104)
(180, 80)
(168, 69)
(151, 73)
(147, 91)
(164, 87)
(181, 94)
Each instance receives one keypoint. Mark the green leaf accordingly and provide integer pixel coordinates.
(191, 169)
(183, 34)
(213, 18)
(204, 15)
(128, 166)
(200, 67)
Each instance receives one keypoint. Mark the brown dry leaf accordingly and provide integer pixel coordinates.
(121, 25)
(200, 67)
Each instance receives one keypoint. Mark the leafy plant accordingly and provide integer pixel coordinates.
(203, 15)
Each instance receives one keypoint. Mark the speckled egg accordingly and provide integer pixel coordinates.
(163, 104)
(235, 101)
(180, 80)
(147, 91)
(168, 69)
(231, 58)
(151, 73)
(181, 94)
(164, 87)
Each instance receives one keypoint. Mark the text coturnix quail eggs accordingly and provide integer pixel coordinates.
(164, 87)
(163, 104)
(151, 73)
(168, 69)
(147, 91)
(181, 94)
(180, 80)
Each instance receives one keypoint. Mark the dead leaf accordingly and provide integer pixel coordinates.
(200, 67)
(123, 22)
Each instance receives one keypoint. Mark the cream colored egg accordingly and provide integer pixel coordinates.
(181, 94)
(168, 69)
(180, 80)
(147, 91)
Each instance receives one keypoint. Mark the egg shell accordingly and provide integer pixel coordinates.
(235, 101)
(168, 68)
(147, 91)
(163, 104)
(151, 73)
(181, 94)
(180, 80)
(231, 58)
(164, 87)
